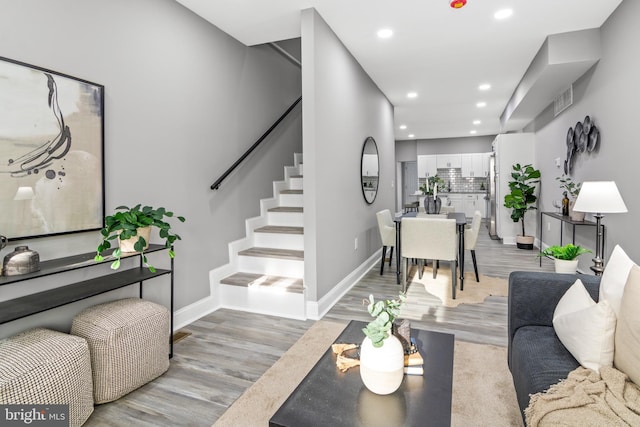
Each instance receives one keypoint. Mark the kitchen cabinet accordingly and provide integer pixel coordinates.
(474, 202)
(370, 165)
(474, 165)
(427, 166)
(445, 161)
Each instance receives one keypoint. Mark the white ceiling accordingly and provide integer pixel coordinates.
(441, 53)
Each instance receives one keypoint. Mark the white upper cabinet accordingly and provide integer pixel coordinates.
(449, 161)
(370, 165)
(427, 166)
(475, 165)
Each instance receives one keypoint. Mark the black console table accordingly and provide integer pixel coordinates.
(20, 307)
(565, 219)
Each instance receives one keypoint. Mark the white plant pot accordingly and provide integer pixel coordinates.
(575, 216)
(126, 245)
(566, 266)
(382, 368)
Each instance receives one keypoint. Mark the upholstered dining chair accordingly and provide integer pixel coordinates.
(387, 229)
(471, 238)
(429, 239)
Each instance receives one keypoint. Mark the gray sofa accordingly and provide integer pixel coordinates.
(536, 357)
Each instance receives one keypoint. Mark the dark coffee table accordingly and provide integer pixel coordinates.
(328, 397)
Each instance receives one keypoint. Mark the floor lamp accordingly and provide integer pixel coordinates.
(598, 198)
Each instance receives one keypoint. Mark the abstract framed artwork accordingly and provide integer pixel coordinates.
(51, 152)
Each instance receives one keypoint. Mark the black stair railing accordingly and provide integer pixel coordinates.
(217, 183)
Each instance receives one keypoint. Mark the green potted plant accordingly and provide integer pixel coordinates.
(566, 257)
(573, 189)
(522, 198)
(381, 353)
(132, 227)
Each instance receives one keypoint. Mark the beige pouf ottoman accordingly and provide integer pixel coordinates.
(45, 367)
(129, 345)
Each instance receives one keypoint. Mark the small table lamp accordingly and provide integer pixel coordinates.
(599, 197)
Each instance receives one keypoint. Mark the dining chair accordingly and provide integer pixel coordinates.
(387, 229)
(429, 239)
(471, 238)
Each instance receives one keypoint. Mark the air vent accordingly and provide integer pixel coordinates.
(563, 101)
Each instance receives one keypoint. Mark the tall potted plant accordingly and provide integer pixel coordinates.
(132, 228)
(573, 189)
(522, 198)
(381, 353)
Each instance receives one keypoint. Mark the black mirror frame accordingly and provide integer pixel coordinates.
(362, 176)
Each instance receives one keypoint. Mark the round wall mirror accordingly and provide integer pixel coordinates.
(369, 168)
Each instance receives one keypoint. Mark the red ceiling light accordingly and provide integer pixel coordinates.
(457, 4)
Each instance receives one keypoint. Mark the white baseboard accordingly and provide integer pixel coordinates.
(317, 309)
(192, 312)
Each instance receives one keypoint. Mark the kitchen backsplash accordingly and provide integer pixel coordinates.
(453, 179)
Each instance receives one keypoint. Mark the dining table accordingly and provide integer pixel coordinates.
(461, 222)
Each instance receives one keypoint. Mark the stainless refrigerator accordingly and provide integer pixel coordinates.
(492, 189)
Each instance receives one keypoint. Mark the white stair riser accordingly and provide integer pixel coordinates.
(294, 200)
(271, 266)
(292, 219)
(295, 183)
(266, 301)
(279, 241)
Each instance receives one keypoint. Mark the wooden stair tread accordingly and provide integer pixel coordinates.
(288, 284)
(293, 209)
(274, 253)
(280, 229)
(291, 192)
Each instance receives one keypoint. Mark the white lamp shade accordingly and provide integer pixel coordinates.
(599, 197)
(24, 193)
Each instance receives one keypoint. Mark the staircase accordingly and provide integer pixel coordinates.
(266, 268)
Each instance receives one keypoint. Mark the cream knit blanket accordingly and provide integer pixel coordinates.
(586, 399)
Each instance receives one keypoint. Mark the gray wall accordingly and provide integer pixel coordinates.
(608, 93)
(183, 101)
(342, 106)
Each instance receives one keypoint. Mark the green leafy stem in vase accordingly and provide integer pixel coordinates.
(431, 184)
(385, 312)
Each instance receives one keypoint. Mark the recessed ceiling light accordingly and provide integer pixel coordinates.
(473, 132)
(385, 33)
(503, 13)
(403, 127)
(411, 135)
(481, 104)
(412, 95)
(477, 122)
(484, 86)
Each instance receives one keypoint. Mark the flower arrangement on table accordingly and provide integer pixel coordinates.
(430, 187)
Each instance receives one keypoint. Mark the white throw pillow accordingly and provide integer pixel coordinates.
(585, 328)
(627, 342)
(614, 277)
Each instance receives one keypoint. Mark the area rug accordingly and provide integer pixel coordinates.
(483, 393)
(473, 293)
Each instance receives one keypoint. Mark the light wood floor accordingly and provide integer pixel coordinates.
(228, 351)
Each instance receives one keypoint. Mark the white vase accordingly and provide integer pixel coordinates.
(126, 245)
(566, 266)
(382, 368)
